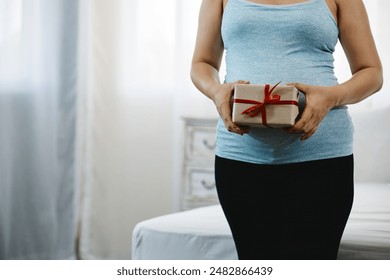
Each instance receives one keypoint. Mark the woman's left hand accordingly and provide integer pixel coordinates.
(319, 101)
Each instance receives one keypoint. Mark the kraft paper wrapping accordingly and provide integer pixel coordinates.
(276, 115)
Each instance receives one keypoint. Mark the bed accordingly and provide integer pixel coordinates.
(203, 233)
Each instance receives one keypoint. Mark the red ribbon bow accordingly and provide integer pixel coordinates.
(259, 107)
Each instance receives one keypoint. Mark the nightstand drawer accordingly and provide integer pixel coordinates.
(200, 183)
(201, 142)
(199, 188)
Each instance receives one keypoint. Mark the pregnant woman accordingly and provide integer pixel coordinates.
(286, 193)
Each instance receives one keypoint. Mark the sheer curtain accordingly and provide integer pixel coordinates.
(89, 98)
(38, 198)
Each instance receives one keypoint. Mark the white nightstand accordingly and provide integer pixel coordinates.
(198, 183)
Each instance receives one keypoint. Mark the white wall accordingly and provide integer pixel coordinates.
(125, 135)
(379, 20)
(131, 173)
(135, 158)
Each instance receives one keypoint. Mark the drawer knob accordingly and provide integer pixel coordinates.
(208, 145)
(208, 186)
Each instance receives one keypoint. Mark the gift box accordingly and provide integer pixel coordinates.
(265, 105)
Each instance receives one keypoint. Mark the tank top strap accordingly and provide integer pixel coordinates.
(326, 8)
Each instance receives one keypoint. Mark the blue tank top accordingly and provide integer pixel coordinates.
(288, 43)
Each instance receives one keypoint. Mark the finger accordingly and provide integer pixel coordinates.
(242, 82)
(230, 126)
(302, 122)
(307, 127)
(310, 133)
(300, 87)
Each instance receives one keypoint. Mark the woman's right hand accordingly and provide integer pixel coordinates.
(222, 99)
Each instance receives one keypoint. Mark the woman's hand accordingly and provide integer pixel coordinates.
(222, 99)
(319, 101)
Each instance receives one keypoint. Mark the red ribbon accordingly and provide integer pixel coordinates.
(259, 107)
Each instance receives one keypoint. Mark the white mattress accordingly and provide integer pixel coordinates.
(203, 233)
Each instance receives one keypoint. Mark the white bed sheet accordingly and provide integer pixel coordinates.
(203, 233)
(367, 234)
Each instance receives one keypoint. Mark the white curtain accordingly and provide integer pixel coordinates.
(38, 198)
(91, 98)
